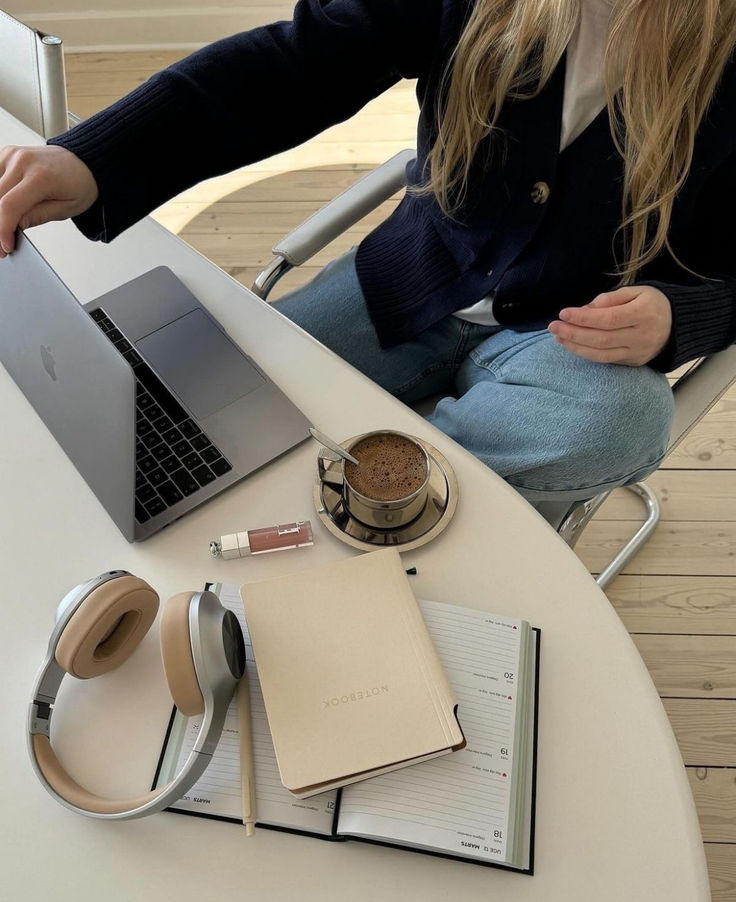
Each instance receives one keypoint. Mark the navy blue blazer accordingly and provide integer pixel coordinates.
(262, 91)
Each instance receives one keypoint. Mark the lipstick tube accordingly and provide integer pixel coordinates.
(259, 541)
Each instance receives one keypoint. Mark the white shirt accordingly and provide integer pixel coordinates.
(584, 97)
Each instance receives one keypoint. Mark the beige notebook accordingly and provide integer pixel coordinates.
(352, 683)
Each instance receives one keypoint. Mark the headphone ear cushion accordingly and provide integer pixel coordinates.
(106, 627)
(176, 652)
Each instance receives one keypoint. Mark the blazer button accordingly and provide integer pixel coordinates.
(540, 192)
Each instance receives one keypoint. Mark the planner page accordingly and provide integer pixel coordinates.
(461, 803)
(217, 792)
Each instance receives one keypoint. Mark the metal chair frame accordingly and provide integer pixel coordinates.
(33, 84)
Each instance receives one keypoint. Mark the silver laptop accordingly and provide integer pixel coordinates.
(150, 399)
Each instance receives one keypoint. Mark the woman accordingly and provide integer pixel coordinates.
(560, 245)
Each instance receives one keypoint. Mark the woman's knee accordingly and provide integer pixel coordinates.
(638, 408)
(618, 436)
(558, 428)
(628, 409)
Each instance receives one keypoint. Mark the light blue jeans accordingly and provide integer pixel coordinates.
(554, 425)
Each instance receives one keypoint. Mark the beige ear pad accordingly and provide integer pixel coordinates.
(107, 627)
(176, 651)
(63, 785)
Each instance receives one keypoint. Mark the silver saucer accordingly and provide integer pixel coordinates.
(437, 513)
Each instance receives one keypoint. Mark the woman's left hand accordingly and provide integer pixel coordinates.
(629, 326)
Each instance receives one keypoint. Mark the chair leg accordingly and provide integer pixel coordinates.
(639, 539)
(578, 517)
(581, 513)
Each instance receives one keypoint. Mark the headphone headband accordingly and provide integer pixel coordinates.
(98, 625)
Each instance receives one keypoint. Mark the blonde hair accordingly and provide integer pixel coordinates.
(666, 56)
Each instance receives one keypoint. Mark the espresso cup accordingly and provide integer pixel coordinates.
(388, 488)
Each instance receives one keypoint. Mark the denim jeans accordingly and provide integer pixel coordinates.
(554, 425)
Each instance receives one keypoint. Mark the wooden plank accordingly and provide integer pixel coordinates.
(100, 64)
(676, 604)
(258, 218)
(104, 83)
(691, 666)
(683, 495)
(714, 791)
(317, 153)
(705, 730)
(315, 186)
(276, 8)
(711, 445)
(721, 858)
(232, 185)
(121, 30)
(681, 548)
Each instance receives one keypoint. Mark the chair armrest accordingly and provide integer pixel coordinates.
(699, 389)
(333, 219)
(344, 210)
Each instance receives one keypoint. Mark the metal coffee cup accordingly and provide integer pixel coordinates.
(373, 512)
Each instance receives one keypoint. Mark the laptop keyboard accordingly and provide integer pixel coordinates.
(173, 457)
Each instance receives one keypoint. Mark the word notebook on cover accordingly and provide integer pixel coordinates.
(475, 804)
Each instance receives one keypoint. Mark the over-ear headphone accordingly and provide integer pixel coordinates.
(98, 625)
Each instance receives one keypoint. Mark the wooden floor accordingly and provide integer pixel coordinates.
(678, 597)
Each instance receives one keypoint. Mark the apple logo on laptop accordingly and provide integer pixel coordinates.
(47, 358)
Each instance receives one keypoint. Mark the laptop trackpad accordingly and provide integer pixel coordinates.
(200, 363)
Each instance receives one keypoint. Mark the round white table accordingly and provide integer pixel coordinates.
(615, 817)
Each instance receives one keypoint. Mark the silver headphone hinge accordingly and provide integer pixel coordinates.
(44, 695)
(40, 718)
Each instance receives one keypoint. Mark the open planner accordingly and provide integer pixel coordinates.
(475, 804)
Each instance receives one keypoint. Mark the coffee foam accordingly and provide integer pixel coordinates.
(391, 467)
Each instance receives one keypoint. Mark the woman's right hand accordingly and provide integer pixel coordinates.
(40, 184)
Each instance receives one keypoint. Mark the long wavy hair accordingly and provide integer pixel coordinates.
(661, 65)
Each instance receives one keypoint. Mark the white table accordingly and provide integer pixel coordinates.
(615, 817)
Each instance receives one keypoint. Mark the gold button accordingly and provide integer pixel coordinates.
(540, 192)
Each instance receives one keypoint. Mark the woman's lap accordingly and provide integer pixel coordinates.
(331, 308)
(554, 425)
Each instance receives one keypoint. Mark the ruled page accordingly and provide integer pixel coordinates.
(459, 803)
(217, 792)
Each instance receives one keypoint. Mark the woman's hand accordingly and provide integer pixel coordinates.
(629, 326)
(38, 184)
